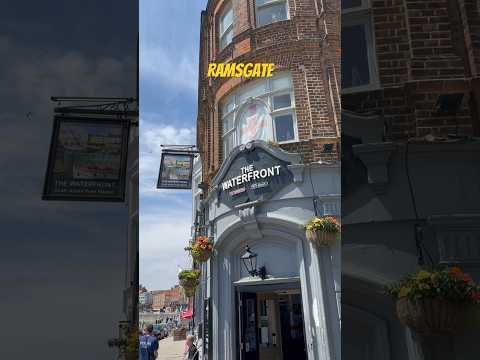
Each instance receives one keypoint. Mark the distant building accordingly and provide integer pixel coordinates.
(145, 298)
(171, 300)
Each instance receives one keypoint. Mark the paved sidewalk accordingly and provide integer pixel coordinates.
(170, 350)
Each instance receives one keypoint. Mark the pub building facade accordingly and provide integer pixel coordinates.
(410, 166)
(269, 163)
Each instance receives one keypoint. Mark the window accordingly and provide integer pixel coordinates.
(262, 110)
(270, 11)
(359, 68)
(226, 27)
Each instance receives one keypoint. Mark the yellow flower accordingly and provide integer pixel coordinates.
(423, 286)
(423, 275)
(404, 291)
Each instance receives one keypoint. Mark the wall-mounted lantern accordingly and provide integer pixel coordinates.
(249, 260)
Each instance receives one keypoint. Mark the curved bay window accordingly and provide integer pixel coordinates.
(262, 110)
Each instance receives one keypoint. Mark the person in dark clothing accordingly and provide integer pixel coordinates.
(192, 352)
(148, 345)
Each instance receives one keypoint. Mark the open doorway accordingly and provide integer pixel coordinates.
(270, 323)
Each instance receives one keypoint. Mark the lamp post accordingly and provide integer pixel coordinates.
(249, 260)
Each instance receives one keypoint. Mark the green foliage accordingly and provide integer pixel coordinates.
(449, 284)
(193, 275)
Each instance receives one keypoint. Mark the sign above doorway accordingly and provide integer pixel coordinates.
(254, 171)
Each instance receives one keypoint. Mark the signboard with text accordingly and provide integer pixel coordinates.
(87, 159)
(175, 170)
(253, 175)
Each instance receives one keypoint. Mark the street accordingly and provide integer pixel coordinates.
(169, 349)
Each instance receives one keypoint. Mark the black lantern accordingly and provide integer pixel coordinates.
(249, 260)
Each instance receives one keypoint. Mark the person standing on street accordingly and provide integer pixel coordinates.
(148, 345)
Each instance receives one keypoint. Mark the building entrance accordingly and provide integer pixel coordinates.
(271, 325)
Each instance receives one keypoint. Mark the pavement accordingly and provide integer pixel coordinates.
(170, 350)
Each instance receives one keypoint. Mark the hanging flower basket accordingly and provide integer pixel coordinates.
(189, 280)
(201, 250)
(433, 303)
(431, 316)
(322, 231)
(321, 238)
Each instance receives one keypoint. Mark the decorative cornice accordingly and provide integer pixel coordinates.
(376, 158)
(248, 218)
(297, 171)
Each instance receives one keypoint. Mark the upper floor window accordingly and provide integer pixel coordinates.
(261, 110)
(270, 11)
(359, 66)
(226, 27)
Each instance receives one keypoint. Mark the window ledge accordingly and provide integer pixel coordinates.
(258, 27)
(362, 88)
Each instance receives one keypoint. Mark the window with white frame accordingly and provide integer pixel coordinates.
(261, 110)
(359, 67)
(226, 27)
(270, 11)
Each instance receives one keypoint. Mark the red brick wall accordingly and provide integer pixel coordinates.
(298, 45)
(424, 48)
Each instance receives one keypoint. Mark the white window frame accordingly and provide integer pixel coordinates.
(268, 4)
(362, 15)
(229, 29)
(266, 99)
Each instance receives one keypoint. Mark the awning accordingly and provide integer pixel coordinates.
(186, 315)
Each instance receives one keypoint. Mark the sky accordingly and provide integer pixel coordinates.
(169, 41)
(60, 261)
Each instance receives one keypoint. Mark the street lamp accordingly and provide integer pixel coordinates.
(249, 260)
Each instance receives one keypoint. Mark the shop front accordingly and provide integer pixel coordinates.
(271, 294)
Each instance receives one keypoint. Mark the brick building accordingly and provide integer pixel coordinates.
(303, 44)
(410, 174)
(417, 60)
(269, 162)
(168, 300)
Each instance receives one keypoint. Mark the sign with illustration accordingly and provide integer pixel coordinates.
(175, 170)
(253, 174)
(87, 159)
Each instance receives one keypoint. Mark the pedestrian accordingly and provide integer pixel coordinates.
(148, 345)
(192, 351)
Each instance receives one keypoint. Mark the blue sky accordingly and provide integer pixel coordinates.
(169, 40)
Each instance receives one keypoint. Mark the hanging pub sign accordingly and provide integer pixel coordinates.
(175, 170)
(253, 172)
(87, 159)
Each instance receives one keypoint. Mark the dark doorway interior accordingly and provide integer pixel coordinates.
(271, 325)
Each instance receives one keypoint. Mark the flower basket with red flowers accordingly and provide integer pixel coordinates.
(322, 231)
(202, 249)
(433, 303)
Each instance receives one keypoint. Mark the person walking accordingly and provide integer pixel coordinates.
(192, 351)
(148, 345)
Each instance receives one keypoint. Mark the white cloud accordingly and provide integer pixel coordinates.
(162, 242)
(172, 70)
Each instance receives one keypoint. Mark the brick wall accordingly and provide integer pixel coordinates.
(424, 49)
(299, 45)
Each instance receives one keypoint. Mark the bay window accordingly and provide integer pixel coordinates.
(359, 68)
(226, 27)
(261, 110)
(270, 11)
